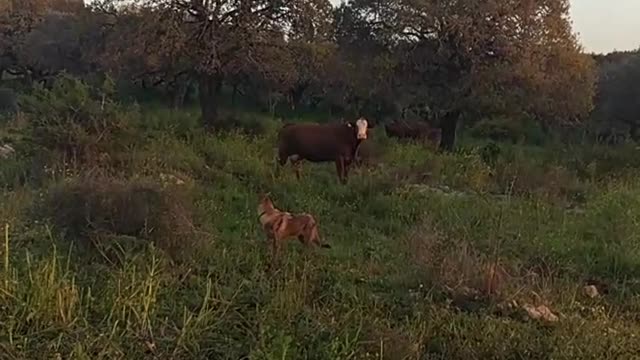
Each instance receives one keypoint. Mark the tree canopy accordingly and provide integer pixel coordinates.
(440, 61)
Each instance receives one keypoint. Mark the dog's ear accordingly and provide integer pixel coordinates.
(265, 196)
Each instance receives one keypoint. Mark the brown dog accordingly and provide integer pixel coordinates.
(280, 226)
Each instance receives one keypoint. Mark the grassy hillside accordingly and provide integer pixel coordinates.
(143, 242)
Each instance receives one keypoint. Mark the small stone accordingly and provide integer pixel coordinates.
(591, 291)
(6, 151)
(151, 346)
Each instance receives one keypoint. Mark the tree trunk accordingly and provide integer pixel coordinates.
(633, 131)
(234, 94)
(180, 93)
(449, 126)
(209, 89)
(296, 95)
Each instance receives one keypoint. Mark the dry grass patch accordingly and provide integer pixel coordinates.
(106, 210)
(382, 341)
(473, 280)
(454, 266)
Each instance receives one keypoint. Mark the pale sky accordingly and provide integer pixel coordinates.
(604, 26)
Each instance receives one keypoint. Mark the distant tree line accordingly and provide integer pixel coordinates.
(449, 63)
(617, 112)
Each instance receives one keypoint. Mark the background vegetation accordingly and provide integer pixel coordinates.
(135, 140)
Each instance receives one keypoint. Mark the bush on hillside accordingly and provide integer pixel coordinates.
(8, 101)
(249, 125)
(454, 267)
(497, 129)
(102, 211)
(504, 129)
(75, 120)
(490, 153)
(528, 178)
(600, 162)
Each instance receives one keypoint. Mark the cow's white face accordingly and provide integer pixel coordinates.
(361, 126)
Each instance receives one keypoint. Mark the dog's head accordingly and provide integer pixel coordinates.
(265, 204)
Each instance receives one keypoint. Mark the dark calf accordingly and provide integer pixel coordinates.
(415, 130)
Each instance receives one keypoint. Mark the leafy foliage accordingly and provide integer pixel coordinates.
(618, 97)
(109, 213)
(482, 59)
(8, 101)
(75, 120)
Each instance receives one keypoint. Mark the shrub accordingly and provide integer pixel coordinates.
(453, 266)
(76, 121)
(512, 130)
(489, 153)
(249, 125)
(8, 101)
(466, 171)
(182, 124)
(497, 129)
(606, 161)
(524, 177)
(102, 209)
(14, 171)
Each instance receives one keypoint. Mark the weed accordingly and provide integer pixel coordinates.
(426, 248)
(107, 211)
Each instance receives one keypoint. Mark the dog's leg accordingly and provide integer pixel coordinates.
(278, 243)
(325, 246)
(320, 243)
(314, 237)
(273, 250)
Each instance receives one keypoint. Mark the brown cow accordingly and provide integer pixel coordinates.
(336, 142)
(414, 130)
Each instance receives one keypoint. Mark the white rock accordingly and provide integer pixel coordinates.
(6, 151)
(591, 291)
(540, 313)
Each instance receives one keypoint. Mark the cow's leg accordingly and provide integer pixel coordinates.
(281, 160)
(345, 170)
(340, 169)
(296, 162)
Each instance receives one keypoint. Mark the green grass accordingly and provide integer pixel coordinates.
(403, 256)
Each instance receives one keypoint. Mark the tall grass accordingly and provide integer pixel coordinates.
(428, 249)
